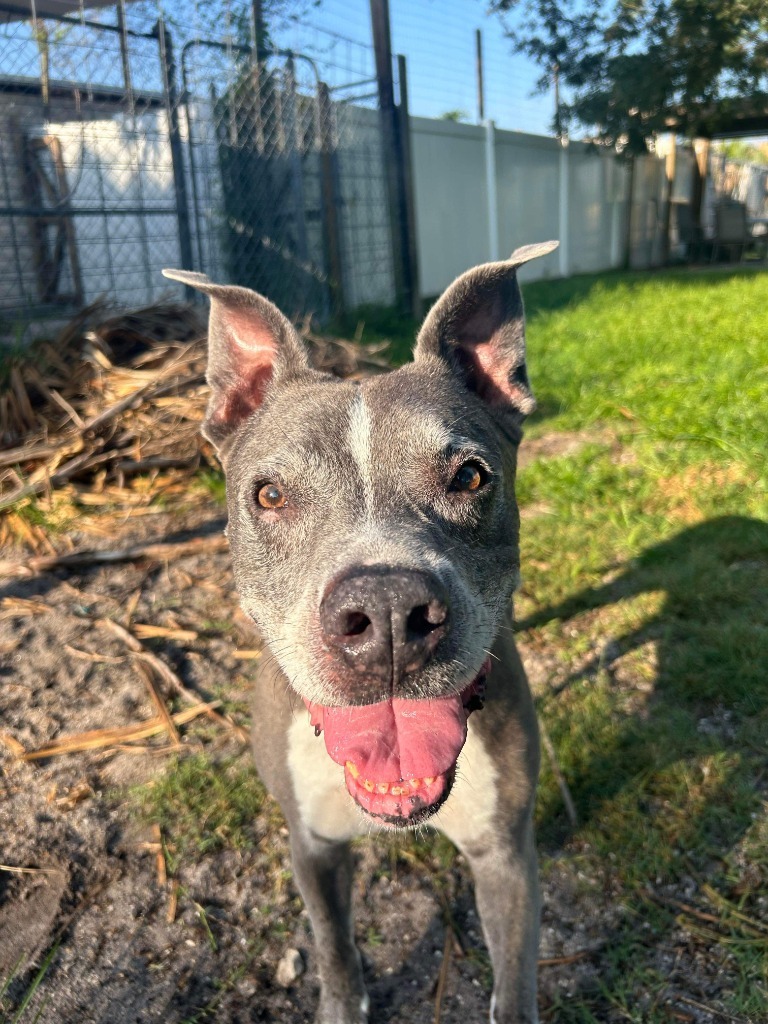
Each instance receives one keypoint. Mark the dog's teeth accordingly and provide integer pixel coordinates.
(353, 770)
(428, 781)
(414, 783)
(397, 790)
(382, 787)
(367, 784)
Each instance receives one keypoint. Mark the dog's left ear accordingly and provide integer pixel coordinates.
(478, 327)
(250, 345)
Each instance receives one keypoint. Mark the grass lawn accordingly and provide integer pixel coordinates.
(645, 556)
(647, 573)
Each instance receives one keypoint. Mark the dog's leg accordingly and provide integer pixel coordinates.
(489, 817)
(321, 818)
(323, 871)
(507, 895)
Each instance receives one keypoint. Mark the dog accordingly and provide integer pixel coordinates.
(375, 543)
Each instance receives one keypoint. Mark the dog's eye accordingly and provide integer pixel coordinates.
(271, 496)
(469, 477)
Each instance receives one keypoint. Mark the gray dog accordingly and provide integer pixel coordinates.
(374, 536)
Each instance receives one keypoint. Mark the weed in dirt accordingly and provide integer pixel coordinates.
(373, 937)
(53, 516)
(25, 1002)
(202, 805)
(217, 627)
(236, 975)
(237, 708)
(481, 961)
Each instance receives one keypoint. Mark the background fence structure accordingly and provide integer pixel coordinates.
(126, 147)
(130, 142)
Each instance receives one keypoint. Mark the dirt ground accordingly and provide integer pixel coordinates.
(90, 893)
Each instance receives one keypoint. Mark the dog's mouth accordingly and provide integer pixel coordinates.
(399, 756)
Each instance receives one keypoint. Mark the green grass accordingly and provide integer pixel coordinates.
(682, 353)
(202, 805)
(655, 542)
(211, 482)
(27, 1000)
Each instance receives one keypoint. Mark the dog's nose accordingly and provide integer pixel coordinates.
(384, 622)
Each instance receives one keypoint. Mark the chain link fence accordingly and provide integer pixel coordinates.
(129, 143)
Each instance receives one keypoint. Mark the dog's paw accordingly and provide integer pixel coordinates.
(343, 1011)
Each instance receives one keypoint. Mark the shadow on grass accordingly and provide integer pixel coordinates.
(666, 762)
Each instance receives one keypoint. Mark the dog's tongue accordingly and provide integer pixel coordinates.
(395, 739)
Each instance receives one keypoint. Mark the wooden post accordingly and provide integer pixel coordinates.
(700, 171)
(671, 169)
(393, 155)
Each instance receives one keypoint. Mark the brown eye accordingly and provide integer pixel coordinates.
(271, 496)
(469, 477)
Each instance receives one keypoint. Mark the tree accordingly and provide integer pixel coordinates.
(636, 68)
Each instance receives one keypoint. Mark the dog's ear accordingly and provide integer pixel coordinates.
(250, 344)
(478, 327)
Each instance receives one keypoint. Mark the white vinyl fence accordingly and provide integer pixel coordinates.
(481, 192)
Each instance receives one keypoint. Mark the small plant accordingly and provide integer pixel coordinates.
(201, 805)
(24, 1004)
(212, 482)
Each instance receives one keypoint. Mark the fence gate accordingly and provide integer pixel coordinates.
(128, 144)
(263, 168)
(88, 203)
(287, 178)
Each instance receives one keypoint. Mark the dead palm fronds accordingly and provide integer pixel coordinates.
(114, 398)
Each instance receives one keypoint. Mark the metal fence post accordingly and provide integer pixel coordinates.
(493, 192)
(563, 208)
(174, 137)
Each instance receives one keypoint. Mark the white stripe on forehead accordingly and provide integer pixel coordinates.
(360, 445)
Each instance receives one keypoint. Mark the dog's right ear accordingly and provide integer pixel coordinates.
(250, 345)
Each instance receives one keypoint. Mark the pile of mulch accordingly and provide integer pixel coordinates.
(114, 398)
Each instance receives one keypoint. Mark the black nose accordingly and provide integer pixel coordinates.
(384, 622)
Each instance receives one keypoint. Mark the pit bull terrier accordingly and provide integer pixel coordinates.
(374, 537)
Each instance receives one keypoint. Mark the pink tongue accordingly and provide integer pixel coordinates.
(395, 739)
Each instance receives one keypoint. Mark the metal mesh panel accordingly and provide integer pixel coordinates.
(128, 144)
(87, 204)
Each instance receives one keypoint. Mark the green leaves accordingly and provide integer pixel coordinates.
(635, 68)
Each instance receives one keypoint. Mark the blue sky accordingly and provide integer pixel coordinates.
(436, 36)
(438, 40)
